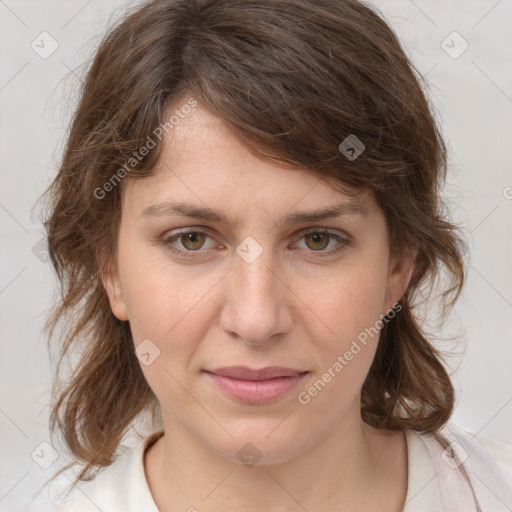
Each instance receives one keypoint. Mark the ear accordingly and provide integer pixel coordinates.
(112, 285)
(400, 272)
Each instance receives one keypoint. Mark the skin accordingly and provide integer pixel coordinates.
(289, 307)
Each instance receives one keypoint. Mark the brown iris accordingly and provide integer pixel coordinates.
(317, 238)
(193, 240)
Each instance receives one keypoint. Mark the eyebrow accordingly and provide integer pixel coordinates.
(166, 208)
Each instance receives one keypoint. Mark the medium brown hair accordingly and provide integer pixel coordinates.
(292, 79)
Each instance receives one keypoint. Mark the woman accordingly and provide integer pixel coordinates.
(246, 212)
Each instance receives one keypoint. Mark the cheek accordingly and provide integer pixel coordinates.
(160, 299)
(351, 301)
(348, 307)
(165, 307)
(166, 311)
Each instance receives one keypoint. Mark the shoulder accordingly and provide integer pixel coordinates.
(56, 496)
(60, 495)
(112, 489)
(471, 469)
(500, 452)
(485, 450)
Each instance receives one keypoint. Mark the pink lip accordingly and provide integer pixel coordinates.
(256, 387)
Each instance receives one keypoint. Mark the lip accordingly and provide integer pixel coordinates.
(256, 387)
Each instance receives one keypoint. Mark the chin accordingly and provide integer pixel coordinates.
(259, 442)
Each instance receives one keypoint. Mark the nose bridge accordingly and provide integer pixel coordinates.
(257, 277)
(257, 307)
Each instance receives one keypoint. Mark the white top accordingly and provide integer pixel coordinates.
(122, 486)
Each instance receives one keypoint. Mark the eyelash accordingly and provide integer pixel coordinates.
(167, 241)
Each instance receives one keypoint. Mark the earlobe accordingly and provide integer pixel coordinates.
(112, 286)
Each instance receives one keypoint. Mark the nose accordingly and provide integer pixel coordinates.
(258, 302)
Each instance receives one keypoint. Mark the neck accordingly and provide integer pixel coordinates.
(349, 467)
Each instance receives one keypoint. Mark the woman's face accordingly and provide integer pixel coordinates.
(265, 286)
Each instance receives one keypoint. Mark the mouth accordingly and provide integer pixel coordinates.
(256, 387)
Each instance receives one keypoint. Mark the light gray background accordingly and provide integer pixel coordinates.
(473, 98)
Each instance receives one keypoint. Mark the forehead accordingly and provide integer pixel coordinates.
(204, 164)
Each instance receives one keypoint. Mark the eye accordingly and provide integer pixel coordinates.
(190, 242)
(317, 240)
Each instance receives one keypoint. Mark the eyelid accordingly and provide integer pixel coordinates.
(330, 231)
